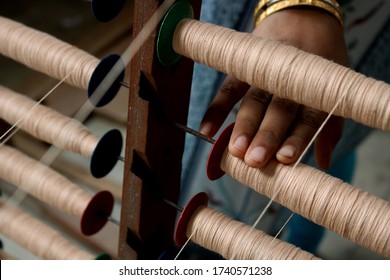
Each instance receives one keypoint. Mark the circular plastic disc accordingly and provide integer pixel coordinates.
(165, 53)
(200, 199)
(106, 153)
(106, 10)
(98, 75)
(103, 256)
(213, 167)
(95, 215)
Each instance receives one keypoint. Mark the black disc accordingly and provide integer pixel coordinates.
(106, 154)
(106, 10)
(101, 71)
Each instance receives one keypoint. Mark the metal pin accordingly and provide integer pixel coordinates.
(182, 127)
(112, 220)
(124, 84)
(188, 130)
(194, 132)
(178, 208)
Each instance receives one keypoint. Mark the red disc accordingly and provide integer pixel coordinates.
(98, 210)
(213, 167)
(200, 199)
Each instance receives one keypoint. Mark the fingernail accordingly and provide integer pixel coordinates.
(257, 154)
(287, 151)
(241, 143)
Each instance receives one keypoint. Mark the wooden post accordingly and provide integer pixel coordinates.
(154, 146)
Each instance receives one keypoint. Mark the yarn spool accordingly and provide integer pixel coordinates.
(231, 239)
(65, 133)
(38, 238)
(282, 70)
(53, 57)
(306, 79)
(54, 189)
(317, 196)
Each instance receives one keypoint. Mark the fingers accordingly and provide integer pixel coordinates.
(231, 91)
(249, 117)
(327, 141)
(270, 127)
(279, 116)
(306, 125)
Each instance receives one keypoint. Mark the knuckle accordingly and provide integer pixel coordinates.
(312, 118)
(216, 110)
(257, 97)
(286, 106)
(271, 137)
(229, 87)
(250, 125)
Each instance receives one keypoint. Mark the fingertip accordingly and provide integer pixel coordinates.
(257, 157)
(287, 154)
(239, 146)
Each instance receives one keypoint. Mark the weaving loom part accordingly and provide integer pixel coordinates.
(148, 104)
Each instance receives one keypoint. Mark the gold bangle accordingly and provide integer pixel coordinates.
(261, 7)
(331, 7)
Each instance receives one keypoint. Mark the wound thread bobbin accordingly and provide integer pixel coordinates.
(200, 199)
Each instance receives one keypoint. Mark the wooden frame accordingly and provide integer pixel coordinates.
(154, 145)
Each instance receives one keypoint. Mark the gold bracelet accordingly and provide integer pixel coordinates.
(259, 8)
(266, 8)
(262, 6)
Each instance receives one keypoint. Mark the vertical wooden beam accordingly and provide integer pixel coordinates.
(154, 147)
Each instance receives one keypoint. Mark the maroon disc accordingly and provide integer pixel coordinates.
(200, 199)
(98, 210)
(213, 167)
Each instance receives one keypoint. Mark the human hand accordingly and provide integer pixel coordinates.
(268, 126)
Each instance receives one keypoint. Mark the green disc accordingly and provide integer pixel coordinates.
(165, 53)
(103, 256)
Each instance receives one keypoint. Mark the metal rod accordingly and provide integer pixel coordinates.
(194, 132)
(182, 127)
(124, 84)
(178, 208)
(112, 220)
